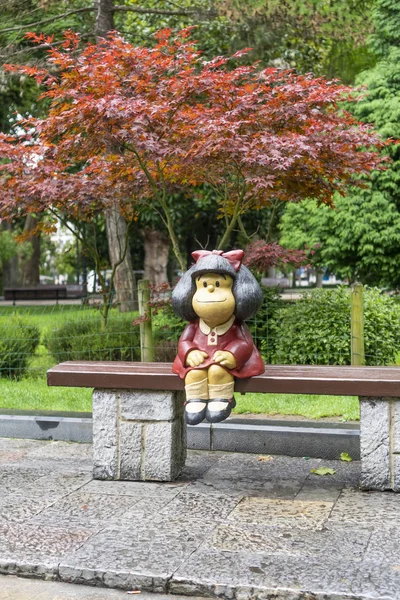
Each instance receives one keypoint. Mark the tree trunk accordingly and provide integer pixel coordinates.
(104, 17)
(320, 276)
(10, 267)
(156, 251)
(124, 281)
(30, 267)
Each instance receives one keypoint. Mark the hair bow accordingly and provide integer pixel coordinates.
(235, 257)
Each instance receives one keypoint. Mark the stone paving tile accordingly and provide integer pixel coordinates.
(198, 463)
(264, 468)
(155, 546)
(18, 509)
(372, 508)
(384, 546)
(347, 474)
(246, 486)
(34, 542)
(203, 507)
(83, 509)
(51, 486)
(256, 576)
(144, 508)
(334, 543)
(136, 489)
(62, 451)
(313, 490)
(13, 479)
(285, 514)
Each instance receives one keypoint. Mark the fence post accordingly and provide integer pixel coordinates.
(146, 332)
(357, 325)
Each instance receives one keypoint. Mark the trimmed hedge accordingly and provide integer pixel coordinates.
(86, 339)
(317, 329)
(18, 342)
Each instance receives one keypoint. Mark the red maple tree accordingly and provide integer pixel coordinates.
(128, 125)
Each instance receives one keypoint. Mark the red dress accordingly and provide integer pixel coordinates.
(233, 336)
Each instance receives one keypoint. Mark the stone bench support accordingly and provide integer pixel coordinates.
(138, 435)
(380, 443)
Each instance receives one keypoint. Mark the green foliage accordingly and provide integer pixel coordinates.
(87, 339)
(8, 246)
(326, 38)
(316, 329)
(167, 329)
(386, 19)
(18, 342)
(359, 239)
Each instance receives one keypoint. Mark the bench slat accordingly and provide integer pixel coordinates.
(289, 379)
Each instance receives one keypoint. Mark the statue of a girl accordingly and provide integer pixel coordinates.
(217, 294)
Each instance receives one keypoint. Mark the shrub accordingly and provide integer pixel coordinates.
(18, 342)
(263, 324)
(317, 329)
(86, 339)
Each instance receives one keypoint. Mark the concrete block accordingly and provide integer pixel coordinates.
(321, 442)
(164, 450)
(130, 450)
(395, 425)
(199, 437)
(375, 443)
(395, 460)
(143, 405)
(105, 435)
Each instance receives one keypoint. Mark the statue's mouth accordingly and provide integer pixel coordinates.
(210, 301)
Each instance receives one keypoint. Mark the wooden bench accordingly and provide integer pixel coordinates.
(45, 292)
(138, 428)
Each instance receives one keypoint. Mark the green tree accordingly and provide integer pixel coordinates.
(361, 238)
(358, 240)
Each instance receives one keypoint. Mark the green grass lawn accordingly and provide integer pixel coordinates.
(313, 407)
(32, 393)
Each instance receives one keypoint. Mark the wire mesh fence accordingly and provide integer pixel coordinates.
(311, 327)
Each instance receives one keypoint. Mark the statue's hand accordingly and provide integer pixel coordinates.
(196, 358)
(225, 359)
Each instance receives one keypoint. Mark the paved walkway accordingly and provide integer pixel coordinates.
(234, 525)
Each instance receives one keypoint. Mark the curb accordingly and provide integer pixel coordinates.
(262, 436)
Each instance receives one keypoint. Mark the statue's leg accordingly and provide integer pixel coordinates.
(220, 389)
(196, 388)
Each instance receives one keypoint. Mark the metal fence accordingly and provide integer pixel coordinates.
(309, 328)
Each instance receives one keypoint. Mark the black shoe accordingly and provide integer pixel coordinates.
(196, 416)
(219, 409)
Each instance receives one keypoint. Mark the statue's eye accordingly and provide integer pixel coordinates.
(204, 283)
(217, 284)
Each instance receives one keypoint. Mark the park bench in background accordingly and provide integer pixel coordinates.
(45, 292)
(139, 432)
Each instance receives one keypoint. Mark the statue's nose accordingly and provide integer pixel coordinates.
(210, 287)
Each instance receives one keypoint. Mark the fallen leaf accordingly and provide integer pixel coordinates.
(323, 471)
(346, 457)
(264, 458)
(85, 506)
(134, 592)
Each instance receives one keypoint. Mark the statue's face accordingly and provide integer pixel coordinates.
(213, 300)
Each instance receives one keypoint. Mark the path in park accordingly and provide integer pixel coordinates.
(234, 525)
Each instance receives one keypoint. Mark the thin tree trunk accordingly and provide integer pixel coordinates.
(124, 281)
(320, 277)
(156, 251)
(10, 267)
(30, 268)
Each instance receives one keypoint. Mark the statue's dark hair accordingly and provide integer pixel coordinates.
(246, 290)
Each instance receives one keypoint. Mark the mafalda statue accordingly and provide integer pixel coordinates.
(217, 294)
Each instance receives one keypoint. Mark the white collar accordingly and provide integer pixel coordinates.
(219, 329)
